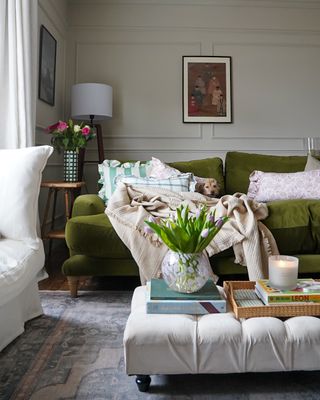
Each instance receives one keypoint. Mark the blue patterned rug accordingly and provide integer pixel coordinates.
(74, 351)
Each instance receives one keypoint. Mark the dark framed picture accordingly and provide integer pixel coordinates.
(207, 89)
(47, 66)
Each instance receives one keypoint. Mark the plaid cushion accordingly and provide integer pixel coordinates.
(110, 169)
(177, 183)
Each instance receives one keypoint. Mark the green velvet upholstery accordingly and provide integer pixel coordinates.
(295, 225)
(238, 167)
(88, 204)
(206, 168)
(225, 267)
(96, 250)
(80, 265)
(93, 235)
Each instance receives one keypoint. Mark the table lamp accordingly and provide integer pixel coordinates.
(93, 102)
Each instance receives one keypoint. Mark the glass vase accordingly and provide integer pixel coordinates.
(70, 165)
(186, 273)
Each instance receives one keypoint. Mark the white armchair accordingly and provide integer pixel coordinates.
(21, 249)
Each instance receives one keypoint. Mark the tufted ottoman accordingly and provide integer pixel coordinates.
(215, 343)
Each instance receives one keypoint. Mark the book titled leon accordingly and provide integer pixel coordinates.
(162, 300)
(307, 291)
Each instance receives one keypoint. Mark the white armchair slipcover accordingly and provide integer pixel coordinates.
(21, 249)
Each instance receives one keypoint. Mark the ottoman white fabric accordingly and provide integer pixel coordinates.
(217, 343)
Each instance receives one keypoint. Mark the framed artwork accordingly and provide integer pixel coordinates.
(207, 89)
(47, 66)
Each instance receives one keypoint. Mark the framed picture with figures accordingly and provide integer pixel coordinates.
(47, 66)
(206, 89)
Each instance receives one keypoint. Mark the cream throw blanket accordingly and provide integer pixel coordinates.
(252, 242)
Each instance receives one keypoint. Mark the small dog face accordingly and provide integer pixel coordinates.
(209, 187)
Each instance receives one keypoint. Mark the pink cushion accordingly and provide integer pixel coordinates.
(160, 170)
(269, 186)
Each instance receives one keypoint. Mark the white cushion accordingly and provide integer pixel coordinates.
(269, 186)
(177, 183)
(20, 178)
(161, 170)
(19, 265)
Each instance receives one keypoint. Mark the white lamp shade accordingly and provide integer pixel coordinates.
(91, 99)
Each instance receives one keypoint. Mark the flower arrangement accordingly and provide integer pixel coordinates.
(187, 232)
(70, 136)
(186, 268)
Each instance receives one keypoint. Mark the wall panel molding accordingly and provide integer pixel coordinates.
(304, 4)
(211, 151)
(198, 29)
(274, 45)
(197, 132)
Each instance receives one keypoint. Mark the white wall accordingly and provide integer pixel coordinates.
(136, 46)
(53, 15)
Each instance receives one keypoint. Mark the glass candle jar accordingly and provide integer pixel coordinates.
(283, 272)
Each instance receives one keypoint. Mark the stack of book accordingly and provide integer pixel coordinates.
(307, 291)
(162, 300)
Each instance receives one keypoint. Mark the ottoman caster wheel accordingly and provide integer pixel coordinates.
(143, 382)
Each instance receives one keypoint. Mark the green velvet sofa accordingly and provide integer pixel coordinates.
(96, 250)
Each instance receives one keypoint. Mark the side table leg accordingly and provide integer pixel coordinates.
(53, 216)
(46, 212)
(67, 199)
(143, 382)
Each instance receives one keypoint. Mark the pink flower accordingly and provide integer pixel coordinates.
(198, 213)
(219, 222)
(52, 128)
(85, 130)
(204, 233)
(61, 126)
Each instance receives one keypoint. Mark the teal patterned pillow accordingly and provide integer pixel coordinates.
(177, 183)
(110, 169)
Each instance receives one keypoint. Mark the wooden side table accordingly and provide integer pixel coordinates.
(54, 187)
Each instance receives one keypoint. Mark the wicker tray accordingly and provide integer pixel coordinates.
(262, 310)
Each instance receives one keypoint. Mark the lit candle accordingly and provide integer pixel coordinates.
(283, 272)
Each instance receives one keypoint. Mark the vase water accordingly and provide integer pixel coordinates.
(185, 272)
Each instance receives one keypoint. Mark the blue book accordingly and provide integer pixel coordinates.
(195, 307)
(161, 291)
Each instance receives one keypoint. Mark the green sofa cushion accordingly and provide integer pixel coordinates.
(314, 209)
(206, 168)
(295, 225)
(225, 266)
(238, 167)
(80, 265)
(88, 204)
(94, 236)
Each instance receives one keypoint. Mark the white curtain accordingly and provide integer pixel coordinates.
(18, 72)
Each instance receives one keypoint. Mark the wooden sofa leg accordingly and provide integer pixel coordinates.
(73, 282)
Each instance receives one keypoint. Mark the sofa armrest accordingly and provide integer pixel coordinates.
(88, 204)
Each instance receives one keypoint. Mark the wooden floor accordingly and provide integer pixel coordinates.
(57, 281)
